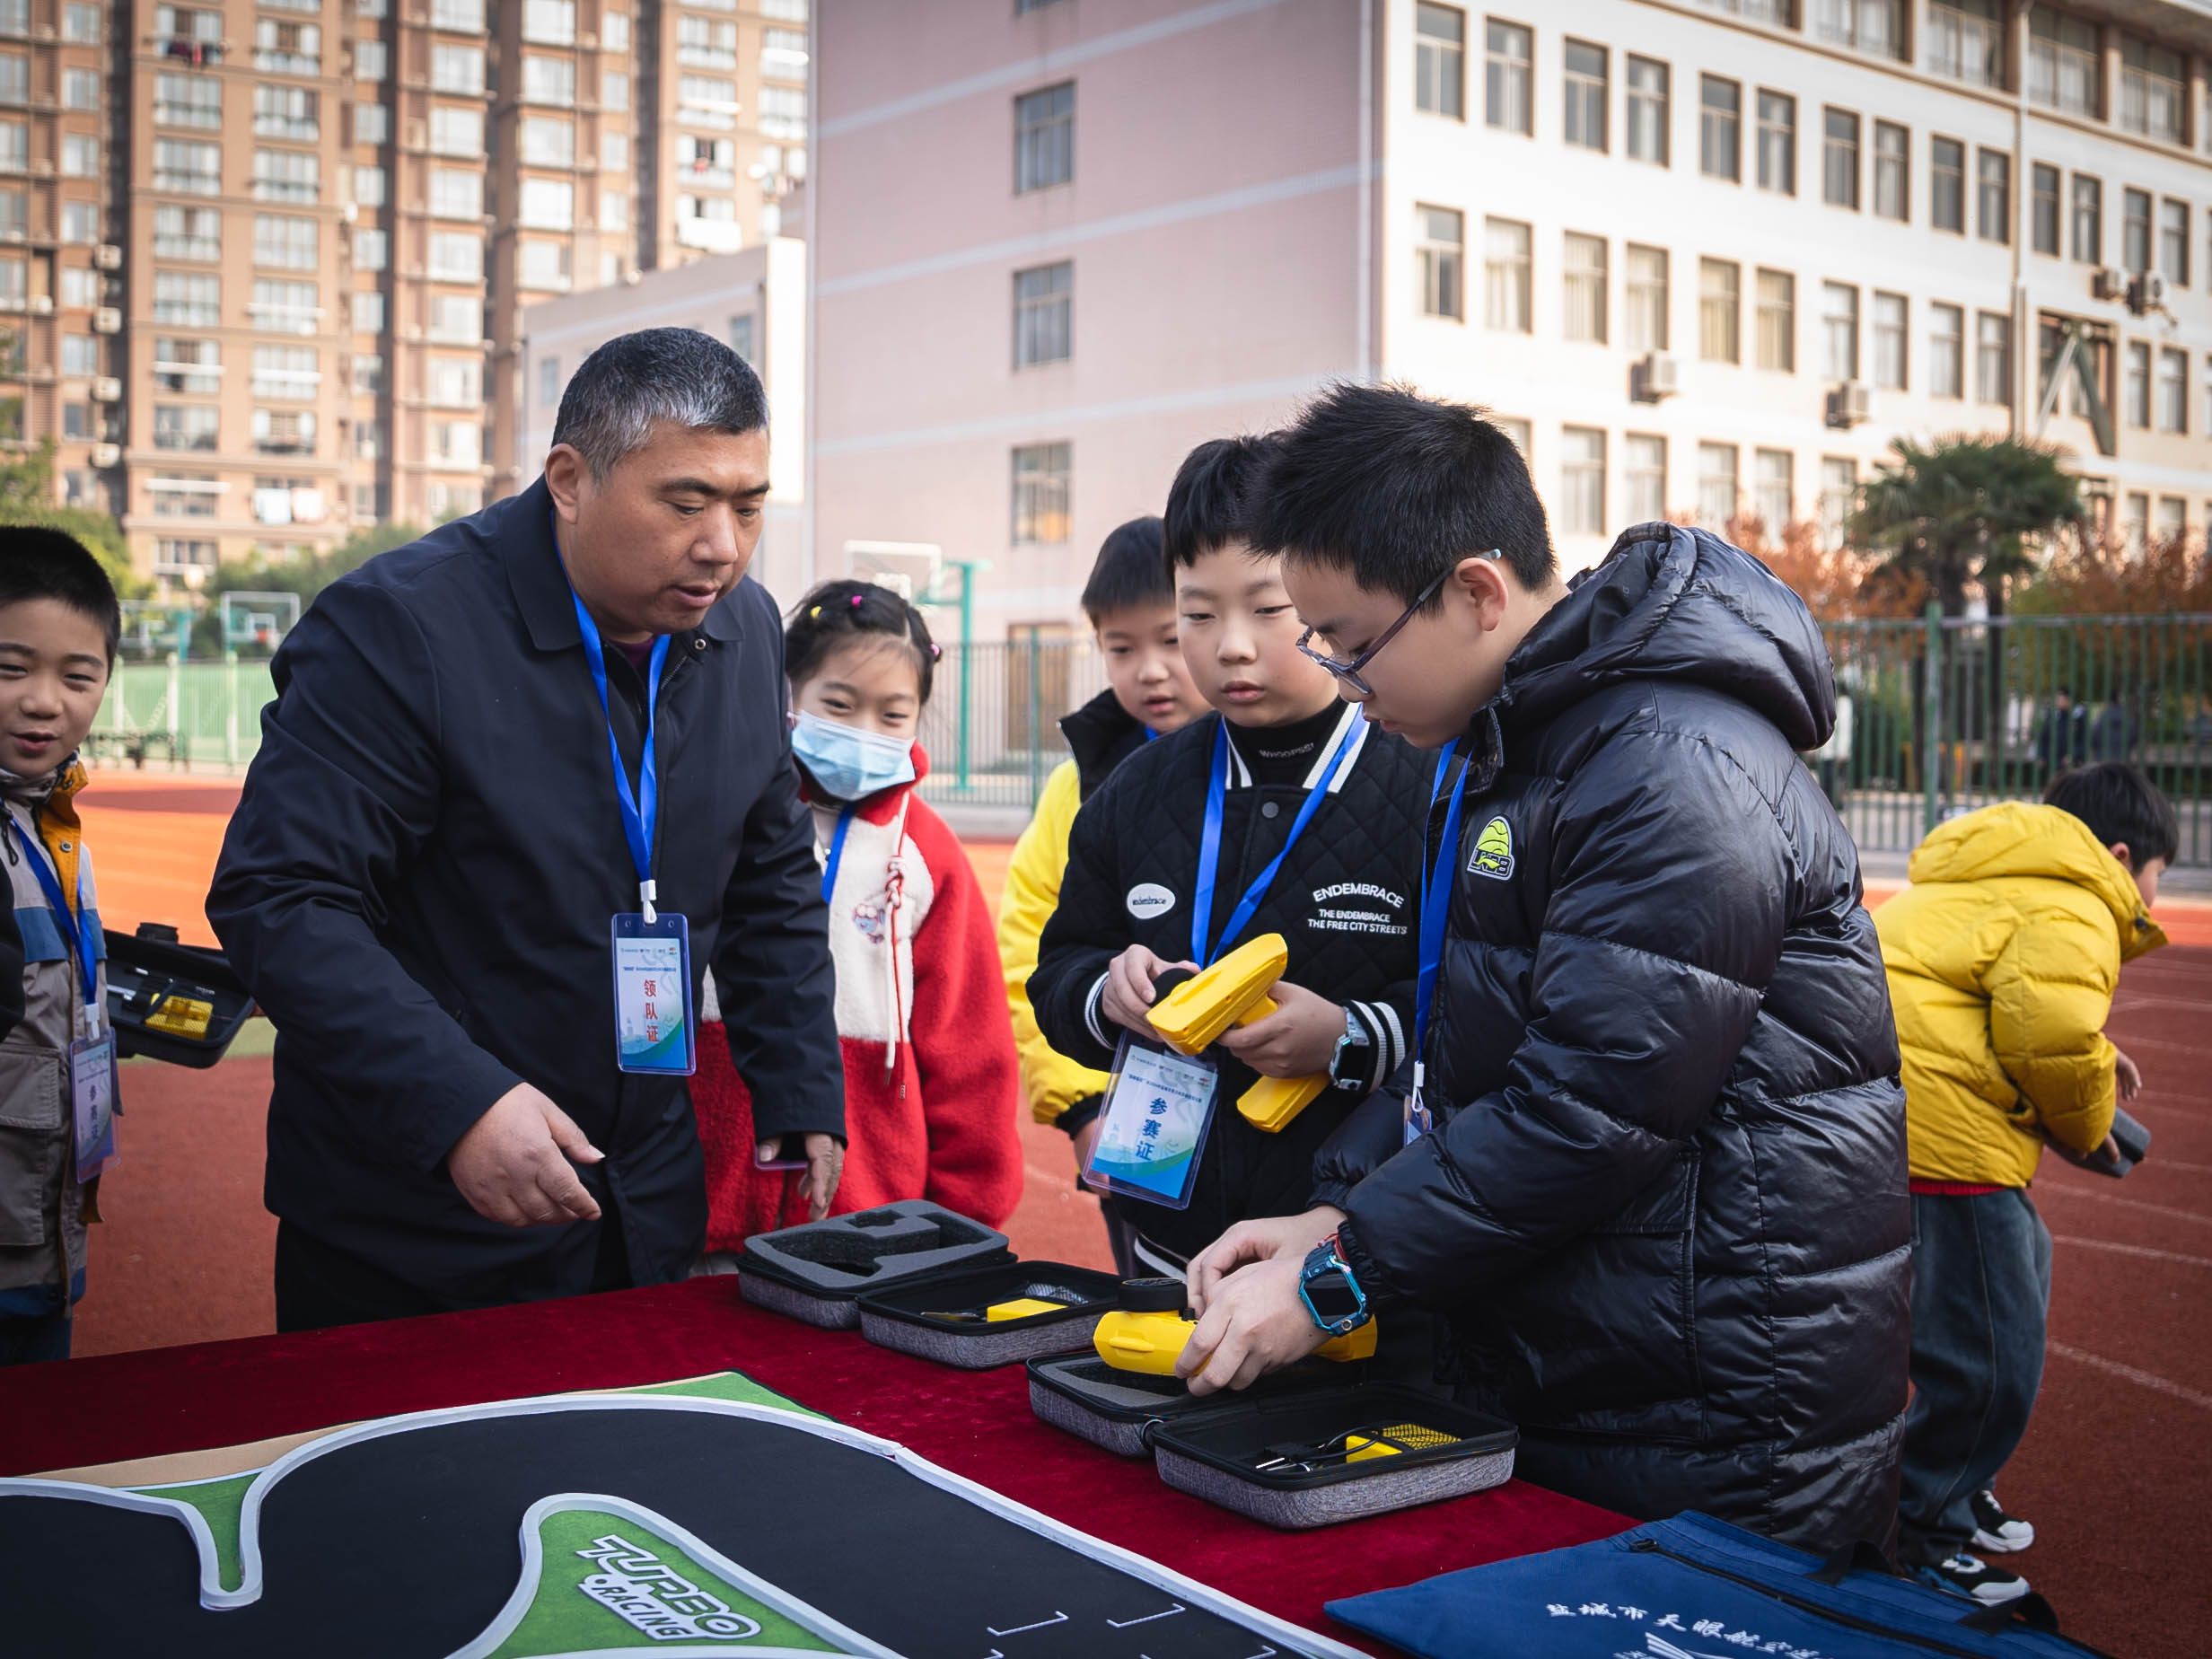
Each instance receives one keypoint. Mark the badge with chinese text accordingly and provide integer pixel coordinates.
(1159, 1106)
(653, 995)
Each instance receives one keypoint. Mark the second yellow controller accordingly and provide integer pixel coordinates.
(1148, 1327)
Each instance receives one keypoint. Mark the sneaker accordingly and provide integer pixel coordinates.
(1963, 1574)
(1996, 1532)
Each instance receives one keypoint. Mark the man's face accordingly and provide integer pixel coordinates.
(1436, 672)
(52, 669)
(1240, 639)
(1145, 667)
(655, 545)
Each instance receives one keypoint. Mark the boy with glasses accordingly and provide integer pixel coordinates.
(1649, 1159)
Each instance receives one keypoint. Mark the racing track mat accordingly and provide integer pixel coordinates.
(586, 1524)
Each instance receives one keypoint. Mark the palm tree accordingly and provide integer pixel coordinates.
(1964, 510)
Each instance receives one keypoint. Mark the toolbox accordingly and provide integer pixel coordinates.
(170, 1001)
(818, 1272)
(993, 1316)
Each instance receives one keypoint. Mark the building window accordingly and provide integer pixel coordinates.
(2134, 229)
(456, 193)
(1646, 474)
(1648, 110)
(1777, 321)
(368, 187)
(1041, 512)
(1044, 314)
(614, 153)
(76, 421)
(81, 23)
(187, 100)
(614, 94)
(190, 496)
(286, 176)
(82, 288)
(80, 221)
(297, 48)
(1044, 138)
(1838, 494)
(455, 131)
(2043, 210)
(368, 312)
(1891, 322)
(80, 89)
(194, 300)
(16, 147)
(1516, 432)
(1720, 291)
(456, 257)
(284, 242)
(1644, 291)
(176, 558)
(458, 382)
(184, 427)
(1508, 77)
(1777, 142)
(1506, 299)
(79, 155)
(457, 69)
(2088, 220)
(286, 307)
(2172, 389)
(80, 355)
(456, 444)
(1716, 484)
(14, 78)
(1440, 60)
(185, 166)
(547, 204)
(782, 52)
(187, 233)
(549, 22)
(1584, 288)
(372, 248)
(1839, 330)
(742, 331)
(286, 112)
(2135, 522)
(548, 80)
(2151, 83)
(372, 61)
(1840, 158)
(543, 265)
(2135, 395)
(1720, 128)
(285, 372)
(1871, 25)
(1892, 172)
(462, 16)
(1993, 196)
(1584, 93)
(1582, 480)
(549, 383)
(1947, 184)
(1773, 494)
(2173, 241)
(2065, 62)
(373, 123)
(14, 291)
(456, 319)
(1993, 357)
(548, 141)
(1965, 40)
(14, 215)
(1438, 254)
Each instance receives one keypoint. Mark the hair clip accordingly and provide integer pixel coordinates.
(936, 651)
(814, 614)
(855, 601)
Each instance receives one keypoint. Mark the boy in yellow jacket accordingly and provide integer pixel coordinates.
(2003, 956)
(1131, 604)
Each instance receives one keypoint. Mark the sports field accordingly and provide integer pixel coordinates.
(2113, 1474)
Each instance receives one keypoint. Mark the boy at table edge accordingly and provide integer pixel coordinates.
(1653, 1173)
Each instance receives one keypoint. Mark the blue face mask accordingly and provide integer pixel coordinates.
(850, 764)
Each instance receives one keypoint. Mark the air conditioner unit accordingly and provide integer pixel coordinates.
(1658, 374)
(107, 257)
(107, 454)
(1851, 404)
(42, 305)
(2147, 292)
(2108, 284)
(107, 320)
(107, 389)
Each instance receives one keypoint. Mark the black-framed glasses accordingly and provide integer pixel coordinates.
(1348, 672)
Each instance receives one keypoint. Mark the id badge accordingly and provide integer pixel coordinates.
(652, 1030)
(91, 1102)
(1159, 1107)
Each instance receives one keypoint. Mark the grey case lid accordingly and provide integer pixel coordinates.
(857, 1254)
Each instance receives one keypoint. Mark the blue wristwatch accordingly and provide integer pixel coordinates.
(1329, 1292)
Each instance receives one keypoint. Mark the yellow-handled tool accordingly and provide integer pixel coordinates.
(1150, 1323)
(1235, 992)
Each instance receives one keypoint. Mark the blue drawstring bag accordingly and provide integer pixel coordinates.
(1697, 1588)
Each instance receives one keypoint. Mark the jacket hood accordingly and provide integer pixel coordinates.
(2021, 839)
(1671, 603)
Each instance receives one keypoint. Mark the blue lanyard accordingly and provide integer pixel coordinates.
(641, 810)
(837, 854)
(1209, 847)
(1437, 902)
(71, 927)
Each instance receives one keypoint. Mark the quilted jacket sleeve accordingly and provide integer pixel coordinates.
(1669, 879)
(1054, 1083)
(2050, 991)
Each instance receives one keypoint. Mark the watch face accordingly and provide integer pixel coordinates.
(1332, 1297)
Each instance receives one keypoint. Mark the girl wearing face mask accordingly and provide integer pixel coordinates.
(932, 1087)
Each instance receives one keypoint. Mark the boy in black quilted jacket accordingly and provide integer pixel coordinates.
(1650, 1160)
(1315, 827)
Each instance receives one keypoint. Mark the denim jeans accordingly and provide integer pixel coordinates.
(1980, 1295)
(32, 1341)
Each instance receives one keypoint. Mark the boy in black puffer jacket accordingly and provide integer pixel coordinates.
(1655, 1170)
(1342, 898)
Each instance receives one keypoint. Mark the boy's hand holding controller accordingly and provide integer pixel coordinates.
(1129, 994)
(1296, 1041)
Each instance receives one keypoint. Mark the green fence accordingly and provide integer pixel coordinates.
(204, 715)
(1950, 714)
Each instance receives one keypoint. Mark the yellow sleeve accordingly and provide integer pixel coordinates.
(2051, 992)
(1052, 1081)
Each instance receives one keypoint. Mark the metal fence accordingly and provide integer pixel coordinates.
(1950, 714)
(1945, 715)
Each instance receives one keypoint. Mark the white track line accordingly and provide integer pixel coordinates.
(2143, 1250)
(2145, 1379)
(2166, 1210)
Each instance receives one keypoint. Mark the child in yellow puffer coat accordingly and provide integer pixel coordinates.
(2003, 956)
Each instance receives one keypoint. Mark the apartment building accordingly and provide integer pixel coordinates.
(1700, 258)
(263, 263)
(755, 303)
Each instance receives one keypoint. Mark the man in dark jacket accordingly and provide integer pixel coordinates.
(1655, 1168)
(421, 882)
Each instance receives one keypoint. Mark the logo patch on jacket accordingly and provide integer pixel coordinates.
(1493, 854)
(1149, 898)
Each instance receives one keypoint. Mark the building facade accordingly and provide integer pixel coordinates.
(755, 303)
(1700, 258)
(263, 263)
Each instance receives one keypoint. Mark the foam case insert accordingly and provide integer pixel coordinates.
(818, 1272)
(1117, 1409)
(1216, 1454)
(943, 1319)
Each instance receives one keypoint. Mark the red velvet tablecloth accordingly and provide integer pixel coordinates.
(976, 1424)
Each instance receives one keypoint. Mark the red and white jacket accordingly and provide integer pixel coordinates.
(933, 1091)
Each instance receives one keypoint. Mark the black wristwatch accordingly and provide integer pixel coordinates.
(1351, 1049)
(1329, 1292)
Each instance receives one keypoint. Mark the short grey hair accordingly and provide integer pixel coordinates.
(633, 380)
